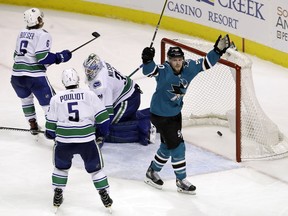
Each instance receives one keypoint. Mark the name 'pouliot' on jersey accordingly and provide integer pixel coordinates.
(72, 117)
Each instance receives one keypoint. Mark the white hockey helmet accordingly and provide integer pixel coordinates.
(92, 66)
(70, 77)
(32, 15)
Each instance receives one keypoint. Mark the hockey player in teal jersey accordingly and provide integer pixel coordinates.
(71, 120)
(32, 56)
(173, 78)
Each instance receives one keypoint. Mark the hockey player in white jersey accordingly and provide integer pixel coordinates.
(71, 120)
(32, 56)
(122, 97)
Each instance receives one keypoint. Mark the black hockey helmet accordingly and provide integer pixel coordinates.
(175, 52)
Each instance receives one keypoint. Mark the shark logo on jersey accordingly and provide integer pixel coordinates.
(179, 90)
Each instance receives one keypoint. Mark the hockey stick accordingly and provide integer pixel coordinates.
(94, 34)
(18, 129)
(155, 32)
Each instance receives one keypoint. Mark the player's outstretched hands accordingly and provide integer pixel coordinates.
(63, 56)
(148, 54)
(222, 44)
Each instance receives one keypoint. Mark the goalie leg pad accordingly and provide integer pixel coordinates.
(123, 132)
(144, 126)
(131, 131)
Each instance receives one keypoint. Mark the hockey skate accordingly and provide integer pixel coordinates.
(153, 179)
(58, 197)
(34, 129)
(184, 186)
(106, 200)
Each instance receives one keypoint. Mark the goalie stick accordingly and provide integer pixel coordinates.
(18, 129)
(155, 32)
(94, 34)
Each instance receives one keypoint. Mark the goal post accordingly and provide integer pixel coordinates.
(224, 95)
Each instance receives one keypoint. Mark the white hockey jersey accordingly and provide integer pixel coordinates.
(73, 113)
(111, 86)
(31, 46)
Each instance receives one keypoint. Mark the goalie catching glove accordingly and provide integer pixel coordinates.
(222, 44)
(148, 54)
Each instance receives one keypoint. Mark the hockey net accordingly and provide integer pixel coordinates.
(224, 95)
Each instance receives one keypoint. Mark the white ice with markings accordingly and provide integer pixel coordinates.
(224, 187)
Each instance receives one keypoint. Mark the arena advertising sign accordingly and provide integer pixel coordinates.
(279, 23)
(262, 21)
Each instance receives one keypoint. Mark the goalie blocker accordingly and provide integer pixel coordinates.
(137, 130)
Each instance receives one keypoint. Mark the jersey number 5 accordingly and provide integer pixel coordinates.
(74, 112)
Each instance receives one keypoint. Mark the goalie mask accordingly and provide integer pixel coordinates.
(175, 52)
(70, 77)
(92, 66)
(33, 17)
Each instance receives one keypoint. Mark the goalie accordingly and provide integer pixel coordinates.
(121, 97)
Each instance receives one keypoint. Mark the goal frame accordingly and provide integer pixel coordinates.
(237, 86)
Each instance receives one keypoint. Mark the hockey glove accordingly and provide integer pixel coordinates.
(222, 44)
(50, 135)
(148, 54)
(63, 56)
(100, 142)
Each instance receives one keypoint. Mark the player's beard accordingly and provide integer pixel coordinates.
(177, 68)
